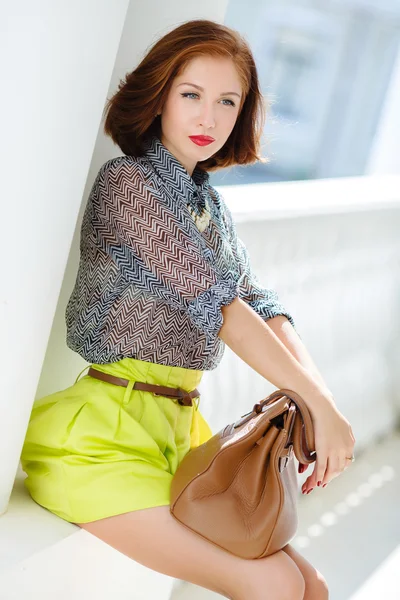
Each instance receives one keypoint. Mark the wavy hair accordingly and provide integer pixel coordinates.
(130, 112)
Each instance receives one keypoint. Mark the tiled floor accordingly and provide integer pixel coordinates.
(350, 530)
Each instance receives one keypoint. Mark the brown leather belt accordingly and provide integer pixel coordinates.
(184, 398)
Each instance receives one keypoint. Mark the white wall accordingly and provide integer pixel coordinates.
(57, 60)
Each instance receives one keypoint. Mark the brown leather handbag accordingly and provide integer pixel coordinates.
(239, 489)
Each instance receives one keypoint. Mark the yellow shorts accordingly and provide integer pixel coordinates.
(96, 449)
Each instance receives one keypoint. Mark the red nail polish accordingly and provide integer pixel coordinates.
(310, 491)
(325, 484)
(319, 483)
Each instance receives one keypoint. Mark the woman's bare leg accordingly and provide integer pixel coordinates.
(155, 539)
(316, 585)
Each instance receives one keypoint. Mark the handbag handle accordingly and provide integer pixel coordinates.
(302, 425)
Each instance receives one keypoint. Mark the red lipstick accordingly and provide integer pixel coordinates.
(201, 140)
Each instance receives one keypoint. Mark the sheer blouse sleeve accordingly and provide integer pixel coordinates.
(264, 301)
(146, 240)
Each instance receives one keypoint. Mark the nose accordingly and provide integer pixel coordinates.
(207, 118)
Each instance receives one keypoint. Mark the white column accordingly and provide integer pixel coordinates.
(385, 150)
(56, 62)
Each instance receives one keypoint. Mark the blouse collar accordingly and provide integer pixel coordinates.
(174, 174)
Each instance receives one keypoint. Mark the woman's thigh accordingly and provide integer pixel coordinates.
(155, 539)
(316, 585)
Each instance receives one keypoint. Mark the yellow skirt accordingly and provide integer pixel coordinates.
(96, 449)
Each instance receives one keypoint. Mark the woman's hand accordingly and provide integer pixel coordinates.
(334, 441)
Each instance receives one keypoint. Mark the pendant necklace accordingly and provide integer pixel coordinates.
(201, 221)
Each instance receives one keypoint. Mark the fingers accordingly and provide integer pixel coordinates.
(324, 471)
(302, 468)
(318, 474)
(334, 449)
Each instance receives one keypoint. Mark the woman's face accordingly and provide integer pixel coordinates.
(190, 111)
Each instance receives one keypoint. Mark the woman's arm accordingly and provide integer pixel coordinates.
(247, 334)
(284, 330)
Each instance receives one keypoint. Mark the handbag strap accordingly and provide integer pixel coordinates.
(302, 426)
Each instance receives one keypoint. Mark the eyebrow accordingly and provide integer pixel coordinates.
(202, 89)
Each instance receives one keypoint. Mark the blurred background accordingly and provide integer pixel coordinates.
(321, 221)
(325, 67)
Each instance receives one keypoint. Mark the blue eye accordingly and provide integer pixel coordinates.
(185, 94)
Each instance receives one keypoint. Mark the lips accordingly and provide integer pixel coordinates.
(201, 140)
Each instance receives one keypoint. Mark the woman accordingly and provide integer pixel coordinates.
(163, 283)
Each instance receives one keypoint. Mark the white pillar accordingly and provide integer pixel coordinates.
(385, 151)
(56, 61)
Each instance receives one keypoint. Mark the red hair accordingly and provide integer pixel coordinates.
(130, 112)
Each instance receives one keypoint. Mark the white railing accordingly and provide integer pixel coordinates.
(332, 251)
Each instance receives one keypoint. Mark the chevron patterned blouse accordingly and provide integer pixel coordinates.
(149, 285)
